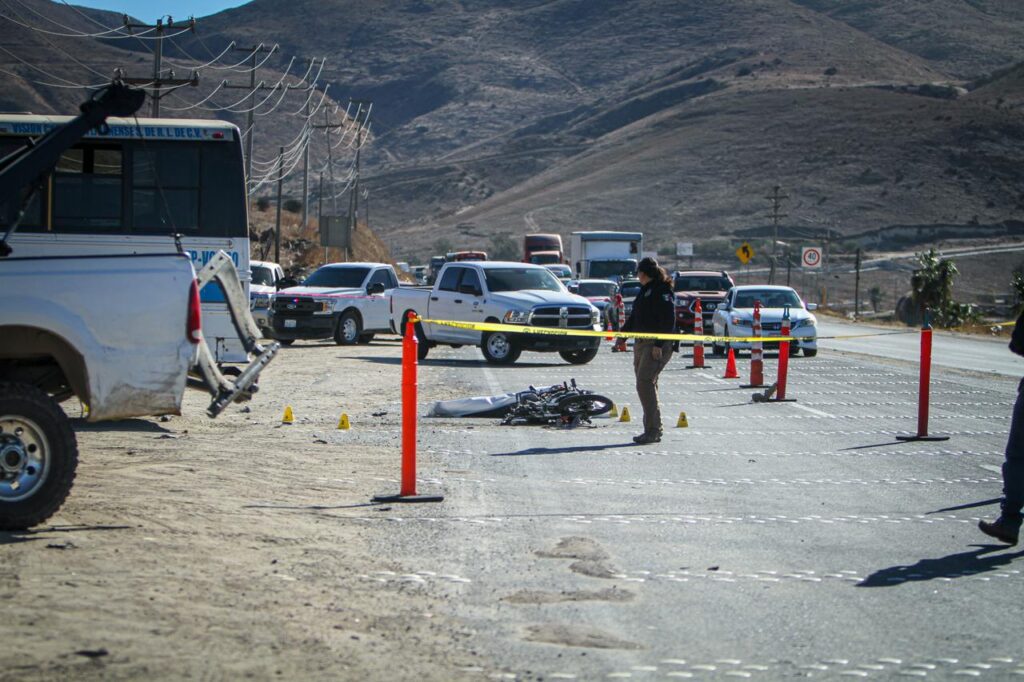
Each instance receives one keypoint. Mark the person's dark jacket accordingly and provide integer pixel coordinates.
(654, 310)
(1017, 339)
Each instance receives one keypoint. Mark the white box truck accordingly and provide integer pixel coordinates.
(605, 254)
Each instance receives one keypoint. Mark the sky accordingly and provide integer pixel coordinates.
(148, 10)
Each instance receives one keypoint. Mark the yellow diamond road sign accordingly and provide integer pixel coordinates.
(745, 253)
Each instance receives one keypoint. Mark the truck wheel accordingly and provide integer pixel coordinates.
(810, 352)
(38, 456)
(578, 357)
(286, 342)
(499, 348)
(349, 329)
(365, 338)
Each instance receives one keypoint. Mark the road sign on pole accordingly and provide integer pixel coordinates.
(684, 248)
(745, 253)
(810, 257)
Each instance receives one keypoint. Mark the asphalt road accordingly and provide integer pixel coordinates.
(952, 350)
(765, 541)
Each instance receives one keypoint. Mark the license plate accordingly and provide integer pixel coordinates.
(289, 324)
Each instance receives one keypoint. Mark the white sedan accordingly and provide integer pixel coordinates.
(735, 317)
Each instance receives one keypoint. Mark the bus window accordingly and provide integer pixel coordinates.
(165, 188)
(222, 214)
(87, 190)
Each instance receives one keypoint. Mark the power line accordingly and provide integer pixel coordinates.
(159, 83)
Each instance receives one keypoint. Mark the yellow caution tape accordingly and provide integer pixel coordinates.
(563, 331)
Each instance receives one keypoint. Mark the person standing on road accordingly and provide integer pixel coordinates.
(653, 312)
(1007, 527)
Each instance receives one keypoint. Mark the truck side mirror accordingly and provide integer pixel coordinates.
(286, 282)
(375, 288)
(812, 306)
(574, 288)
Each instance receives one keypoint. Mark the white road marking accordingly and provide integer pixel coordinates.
(814, 411)
(992, 467)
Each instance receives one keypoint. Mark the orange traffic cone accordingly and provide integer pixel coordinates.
(730, 366)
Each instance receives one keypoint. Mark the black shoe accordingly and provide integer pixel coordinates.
(647, 437)
(1001, 529)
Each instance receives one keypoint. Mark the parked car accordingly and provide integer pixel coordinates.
(629, 288)
(735, 317)
(504, 292)
(689, 285)
(561, 271)
(264, 281)
(343, 301)
(601, 294)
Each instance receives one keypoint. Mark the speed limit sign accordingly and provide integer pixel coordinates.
(811, 257)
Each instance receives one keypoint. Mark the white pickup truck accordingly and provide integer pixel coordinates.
(123, 334)
(343, 301)
(495, 291)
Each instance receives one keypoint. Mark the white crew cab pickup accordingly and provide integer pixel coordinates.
(504, 292)
(343, 301)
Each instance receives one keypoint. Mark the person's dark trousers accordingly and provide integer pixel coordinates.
(1013, 467)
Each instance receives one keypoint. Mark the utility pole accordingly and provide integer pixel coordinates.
(776, 197)
(280, 182)
(328, 127)
(158, 82)
(856, 289)
(366, 196)
(255, 87)
(354, 198)
(250, 120)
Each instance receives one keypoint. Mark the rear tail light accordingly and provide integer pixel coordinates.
(194, 321)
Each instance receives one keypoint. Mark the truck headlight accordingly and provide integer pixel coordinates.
(595, 315)
(323, 307)
(809, 322)
(517, 317)
(740, 321)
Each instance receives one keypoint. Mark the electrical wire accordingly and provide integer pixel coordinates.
(54, 85)
(47, 73)
(110, 34)
(182, 65)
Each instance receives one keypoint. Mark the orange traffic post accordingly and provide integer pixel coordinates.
(410, 365)
(924, 386)
(698, 330)
(756, 352)
(780, 384)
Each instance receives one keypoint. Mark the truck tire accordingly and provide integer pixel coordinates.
(365, 338)
(348, 330)
(499, 348)
(423, 346)
(38, 456)
(578, 357)
(286, 342)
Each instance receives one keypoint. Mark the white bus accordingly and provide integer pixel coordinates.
(126, 189)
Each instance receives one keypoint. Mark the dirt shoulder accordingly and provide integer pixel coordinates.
(194, 546)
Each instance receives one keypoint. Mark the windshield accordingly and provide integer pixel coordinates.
(630, 289)
(262, 275)
(337, 277)
(770, 298)
(595, 289)
(521, 279)
(702, 283)
(544, 258)
(612, 268)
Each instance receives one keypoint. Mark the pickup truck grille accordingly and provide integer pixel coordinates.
(576, 317)
(295, 305)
